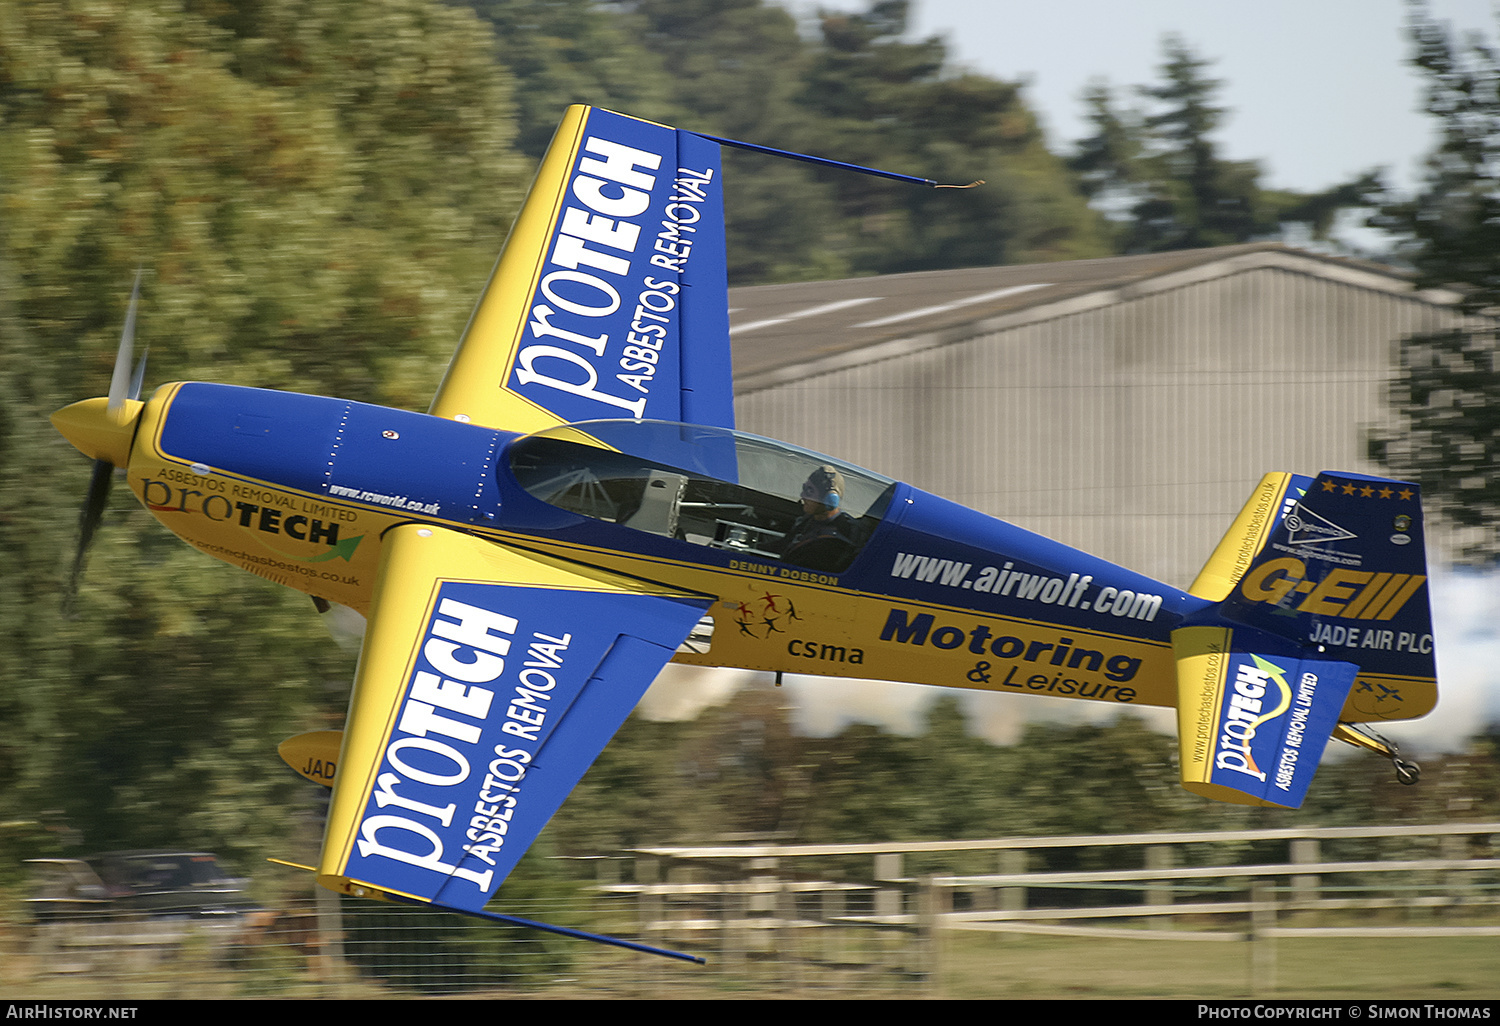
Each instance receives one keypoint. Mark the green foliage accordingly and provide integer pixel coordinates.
(742, 772)
(183, 678)
(1160, 177)
(891, 103)
(1452, 224)
(562, 52)
(316, 191)
(860, 93)
(303, 194)
(736, 68)
(1448, 437)
(1106, 780)
(1197, 199)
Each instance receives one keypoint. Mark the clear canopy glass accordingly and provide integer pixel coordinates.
(709, 486)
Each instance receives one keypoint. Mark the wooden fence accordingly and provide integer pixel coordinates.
(1232, 886)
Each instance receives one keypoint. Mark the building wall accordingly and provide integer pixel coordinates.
(1133, 430)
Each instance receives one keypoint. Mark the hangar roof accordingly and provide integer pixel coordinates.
(780, 332)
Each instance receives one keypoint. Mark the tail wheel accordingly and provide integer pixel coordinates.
(1407, 772)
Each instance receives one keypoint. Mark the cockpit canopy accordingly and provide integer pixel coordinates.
(709, 486)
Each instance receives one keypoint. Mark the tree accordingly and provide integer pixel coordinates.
(1451, 226)
(1447, 398)
(1199, 199)
(858, 92)
(316, 190)
(1447, 394)
(737, 68)
(562, 52)
(1160, 176)
(1108, 163)
(881, 100)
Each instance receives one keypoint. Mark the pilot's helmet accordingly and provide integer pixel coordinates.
(824, 485)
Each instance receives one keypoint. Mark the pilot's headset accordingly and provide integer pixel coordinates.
(824, 485)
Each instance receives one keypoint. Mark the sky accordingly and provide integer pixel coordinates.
(1318, 90)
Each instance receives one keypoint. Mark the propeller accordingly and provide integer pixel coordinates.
(124, 384)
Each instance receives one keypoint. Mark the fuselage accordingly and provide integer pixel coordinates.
(301, 489)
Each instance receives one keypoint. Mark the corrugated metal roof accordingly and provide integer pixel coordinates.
(778, 327)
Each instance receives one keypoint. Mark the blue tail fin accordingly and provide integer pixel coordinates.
(1345, 572)
(1324, 617)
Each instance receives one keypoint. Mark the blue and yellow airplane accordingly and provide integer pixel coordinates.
(577, 509)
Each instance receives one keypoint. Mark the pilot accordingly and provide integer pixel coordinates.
(824, 537)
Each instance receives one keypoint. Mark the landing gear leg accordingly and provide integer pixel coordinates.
(1361, 736)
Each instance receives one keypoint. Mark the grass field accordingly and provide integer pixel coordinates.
(967, 965)
(1013, 966)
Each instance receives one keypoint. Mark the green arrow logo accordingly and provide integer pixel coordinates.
(344, 550)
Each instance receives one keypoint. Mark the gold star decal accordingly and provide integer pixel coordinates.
(1328, 486)
(1405, 493)
(1348, 489)
(1386, 493)
(1366, 492)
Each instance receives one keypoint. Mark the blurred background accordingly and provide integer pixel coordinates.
(316, 191)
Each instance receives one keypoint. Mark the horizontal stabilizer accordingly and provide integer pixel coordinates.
(314, 755)
(1253, 717)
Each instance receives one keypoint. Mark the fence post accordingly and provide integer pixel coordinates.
(832, 907)
(888, 870)
(648, 900)
(1306, 887)
(931, 905)
(330, 944)
(1012, 863)
(1262, 939)
(735, 910)
(1458, 886)
(1159, 856)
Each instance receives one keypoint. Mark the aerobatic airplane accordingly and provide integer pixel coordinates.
(577, 509)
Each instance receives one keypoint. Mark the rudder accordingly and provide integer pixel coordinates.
(1344, 572)
(1321, 616)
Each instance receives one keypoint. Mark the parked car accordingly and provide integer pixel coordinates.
(154, 883)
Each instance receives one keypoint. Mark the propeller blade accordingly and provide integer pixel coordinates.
(119, 382)
(139, 376)
(88, 520)
(123, 384)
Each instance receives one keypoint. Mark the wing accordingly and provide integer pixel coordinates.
(489, 681)
(610, 298)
